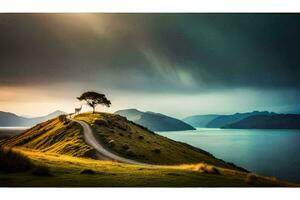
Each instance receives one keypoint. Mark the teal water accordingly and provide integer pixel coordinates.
(266, 152)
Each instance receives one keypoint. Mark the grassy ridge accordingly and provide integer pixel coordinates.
(125, 138)
(53, 136)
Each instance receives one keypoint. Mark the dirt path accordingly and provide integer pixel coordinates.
(103, 152)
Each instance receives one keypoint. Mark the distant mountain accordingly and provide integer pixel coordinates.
(130, 114)
(224, 120)
(154, 121)
(11, 119)
(276, 121)
(200, 120)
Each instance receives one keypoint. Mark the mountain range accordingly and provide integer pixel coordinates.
(277, 121)
(224, 120)
(219, 121)
(155, 121)
(11, 119)
(248, 120)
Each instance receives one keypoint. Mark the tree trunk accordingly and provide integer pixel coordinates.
(94, 110)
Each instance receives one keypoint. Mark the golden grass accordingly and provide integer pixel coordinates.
(130, 140)
(67, 171)
(53, 136)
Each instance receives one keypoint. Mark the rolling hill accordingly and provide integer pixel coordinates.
(200, 120)
(131, 140)
(11, 119)
(154, 121)
(123, 137)
(53, 136)
(277, 121)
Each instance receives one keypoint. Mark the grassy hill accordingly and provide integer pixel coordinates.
(133, 141)
(53, 136)
(58, 146)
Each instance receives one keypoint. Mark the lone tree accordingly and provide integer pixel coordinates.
(93, 99)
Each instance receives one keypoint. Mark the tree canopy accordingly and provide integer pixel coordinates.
(93, 99)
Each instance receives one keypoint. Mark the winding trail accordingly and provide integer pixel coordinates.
(103, 153)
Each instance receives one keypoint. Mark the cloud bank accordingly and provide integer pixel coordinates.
(175, 54)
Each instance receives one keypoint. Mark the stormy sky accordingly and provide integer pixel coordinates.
(177, 64)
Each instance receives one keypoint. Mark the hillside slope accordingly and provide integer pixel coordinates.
(278, 121)
(133, 141)
(154, 121)
(53, 136)
(123, 137)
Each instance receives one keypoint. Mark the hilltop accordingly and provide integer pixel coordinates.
(154, 121)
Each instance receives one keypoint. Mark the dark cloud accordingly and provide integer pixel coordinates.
(152, 52)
